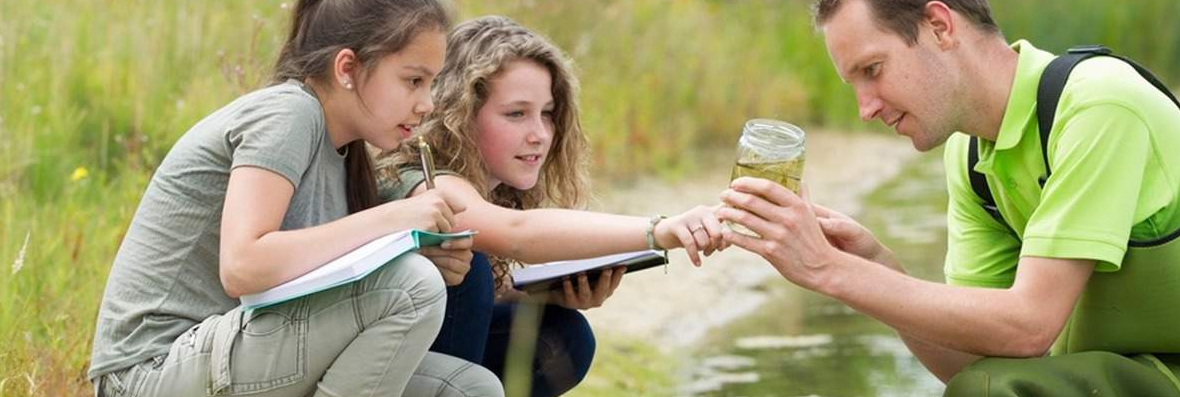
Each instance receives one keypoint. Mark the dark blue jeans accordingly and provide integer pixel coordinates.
(476, 329)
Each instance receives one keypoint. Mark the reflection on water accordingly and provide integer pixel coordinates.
(804, 344)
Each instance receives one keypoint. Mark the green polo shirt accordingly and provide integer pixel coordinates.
(1115, 154)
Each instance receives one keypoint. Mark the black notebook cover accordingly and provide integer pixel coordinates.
(549, 276)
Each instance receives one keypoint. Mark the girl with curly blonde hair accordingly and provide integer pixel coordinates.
(505, 131)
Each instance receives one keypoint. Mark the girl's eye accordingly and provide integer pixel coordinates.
(415, 82)
(514, 114)
(547, 114)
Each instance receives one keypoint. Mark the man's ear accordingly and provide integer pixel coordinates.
(941, 21)
(344, 69)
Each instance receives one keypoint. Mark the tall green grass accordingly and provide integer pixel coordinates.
(92, 95)
(1145, 30)
(94, 92)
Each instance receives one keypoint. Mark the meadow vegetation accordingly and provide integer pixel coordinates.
(93, 93)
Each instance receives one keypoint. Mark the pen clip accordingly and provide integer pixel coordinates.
(427, 162)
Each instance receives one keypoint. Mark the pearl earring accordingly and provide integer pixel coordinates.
(348, 85)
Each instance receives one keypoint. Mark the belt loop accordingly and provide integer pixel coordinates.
(97, 382)
(223, 339)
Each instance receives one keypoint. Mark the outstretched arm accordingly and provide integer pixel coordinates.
(550, 234)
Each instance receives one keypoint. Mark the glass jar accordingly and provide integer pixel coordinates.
(769, 149)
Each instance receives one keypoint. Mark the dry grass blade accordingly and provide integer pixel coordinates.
(20, 256)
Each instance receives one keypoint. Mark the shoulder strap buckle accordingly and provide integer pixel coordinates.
(1096, 49)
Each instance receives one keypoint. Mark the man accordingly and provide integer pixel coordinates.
(929, 69)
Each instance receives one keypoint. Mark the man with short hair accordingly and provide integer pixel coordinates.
(1080, 255)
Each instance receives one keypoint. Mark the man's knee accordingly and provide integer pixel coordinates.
(1083, 373)
(997, 377)
(968, 382)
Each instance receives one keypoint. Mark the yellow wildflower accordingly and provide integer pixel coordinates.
(80, 173)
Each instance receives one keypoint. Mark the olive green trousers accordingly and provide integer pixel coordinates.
(1078, 374)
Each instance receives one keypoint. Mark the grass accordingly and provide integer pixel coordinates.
(94, 92)
(632, 367)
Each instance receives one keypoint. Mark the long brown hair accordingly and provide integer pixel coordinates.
(477, 51)
(372, 29)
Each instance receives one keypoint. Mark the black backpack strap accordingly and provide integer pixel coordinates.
(979, 182)
(1049, 90)
(1053, 83)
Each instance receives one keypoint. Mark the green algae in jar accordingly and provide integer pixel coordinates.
(769, 149)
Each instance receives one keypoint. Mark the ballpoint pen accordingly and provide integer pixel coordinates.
(427, 162)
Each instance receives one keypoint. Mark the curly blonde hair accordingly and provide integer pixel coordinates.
(477, 51)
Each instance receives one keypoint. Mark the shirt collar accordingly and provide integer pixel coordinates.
(1022, 100)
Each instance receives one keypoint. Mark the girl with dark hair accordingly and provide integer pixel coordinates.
(269, 187)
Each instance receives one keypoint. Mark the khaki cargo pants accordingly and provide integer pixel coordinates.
(367, 338)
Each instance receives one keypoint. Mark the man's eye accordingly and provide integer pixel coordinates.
(416, 82)
(873, 70)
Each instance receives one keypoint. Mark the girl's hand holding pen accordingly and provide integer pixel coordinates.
(432, 211)
(435, 211)
(453, 257)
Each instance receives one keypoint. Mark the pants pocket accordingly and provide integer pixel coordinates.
(268, 350)
(123, 383)
(113, 384)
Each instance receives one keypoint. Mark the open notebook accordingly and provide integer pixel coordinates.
(351, 266)
(548, 276)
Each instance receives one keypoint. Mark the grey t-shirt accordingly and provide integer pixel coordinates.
(164, 279)
(390, 188)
